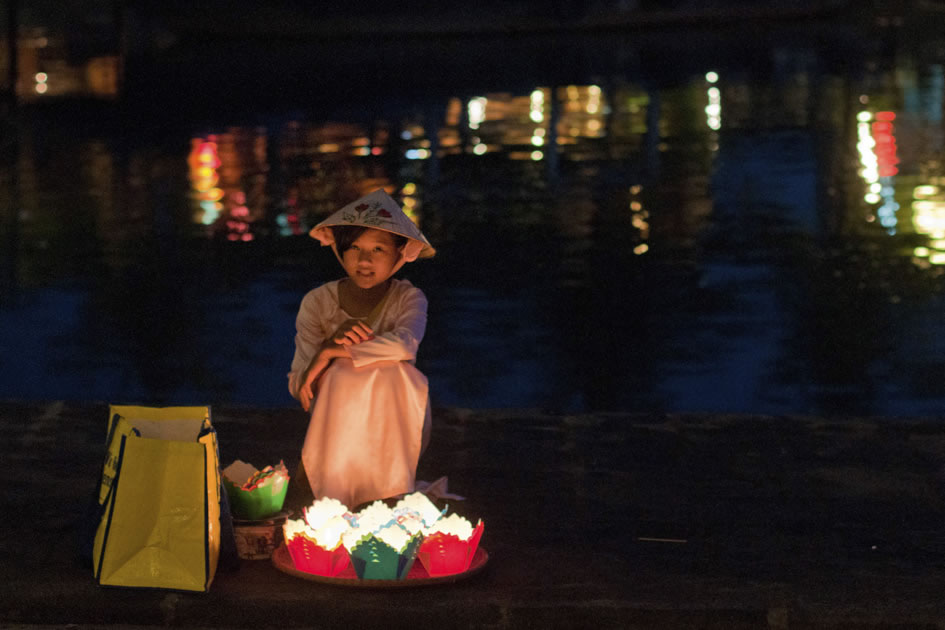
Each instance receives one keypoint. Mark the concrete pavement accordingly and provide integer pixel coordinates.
(596, 520)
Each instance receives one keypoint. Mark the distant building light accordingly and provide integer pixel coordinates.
(712, 77)
(41, 88)
(480, 148)
(41, 77)
(537, 155)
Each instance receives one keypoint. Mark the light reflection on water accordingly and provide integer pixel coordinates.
(717, 245)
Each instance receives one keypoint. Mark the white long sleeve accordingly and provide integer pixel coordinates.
(398, 329)
(398, 333)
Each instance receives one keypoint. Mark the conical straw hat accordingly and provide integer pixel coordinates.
(379, 211)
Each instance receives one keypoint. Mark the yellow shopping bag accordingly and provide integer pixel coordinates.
(161, 500)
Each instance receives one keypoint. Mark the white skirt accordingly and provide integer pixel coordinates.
(364, 436)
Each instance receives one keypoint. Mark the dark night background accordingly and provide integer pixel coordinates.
(664, 255)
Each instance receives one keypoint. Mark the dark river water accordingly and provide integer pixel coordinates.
(679, 228)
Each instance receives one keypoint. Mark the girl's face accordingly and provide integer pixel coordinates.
(371, 259)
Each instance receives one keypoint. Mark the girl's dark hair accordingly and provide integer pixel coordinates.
(345, 235)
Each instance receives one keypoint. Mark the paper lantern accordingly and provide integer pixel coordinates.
(387, 554)
(255, 494)
(318, 551)
(323, 510)
(374, 517)
(449, 545)
(420, 505)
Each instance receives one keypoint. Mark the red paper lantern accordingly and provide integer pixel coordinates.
(447, 554)
(309, 556)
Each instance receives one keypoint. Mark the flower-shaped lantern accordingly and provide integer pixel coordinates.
(380, 547)
(449, 545)
(255, 494)
(315, 542)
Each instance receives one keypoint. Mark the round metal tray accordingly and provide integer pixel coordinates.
(417, 576)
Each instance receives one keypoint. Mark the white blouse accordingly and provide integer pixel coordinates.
(398, 327)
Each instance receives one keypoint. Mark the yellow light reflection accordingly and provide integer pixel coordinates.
(642, 248)
(593, 99)
(409, 188)
(476, 111)
(921, 252)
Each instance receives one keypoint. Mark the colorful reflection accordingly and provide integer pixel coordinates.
(323, 165)
(876, 143)
(228, 182)
(204, 162)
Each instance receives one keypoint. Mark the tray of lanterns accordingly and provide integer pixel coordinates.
(413, 543)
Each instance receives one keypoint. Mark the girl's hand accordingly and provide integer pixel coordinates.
(352, 332)
(310, 379)
(315, 370)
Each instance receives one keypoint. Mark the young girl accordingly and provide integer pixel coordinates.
(355, 345)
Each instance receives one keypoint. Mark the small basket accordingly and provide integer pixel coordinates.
(257, 539)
